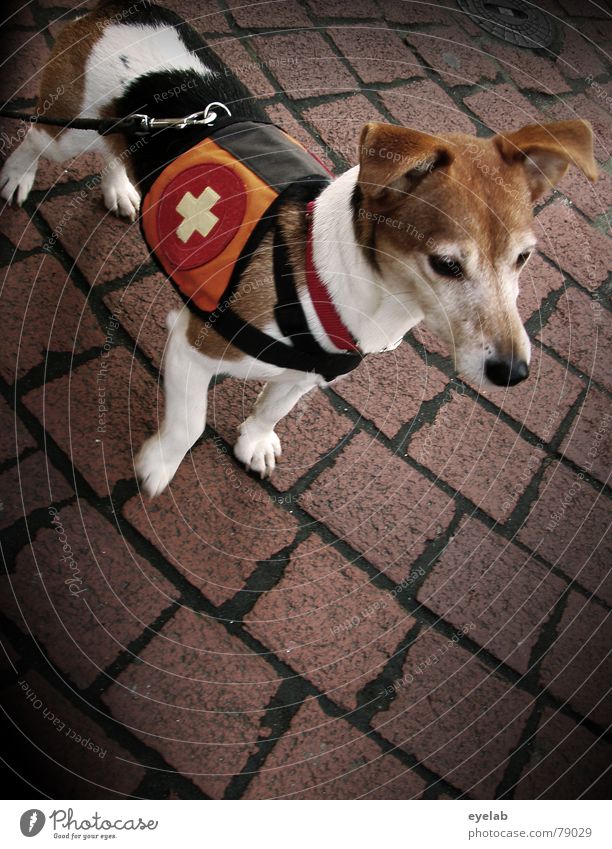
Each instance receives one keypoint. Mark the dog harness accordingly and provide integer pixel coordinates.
(205, 215)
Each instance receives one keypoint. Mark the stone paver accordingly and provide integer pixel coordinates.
(453, 56)
(100, 414)
(580, 330)
(568, 525)
(29, 485)
(488, 475)
(589, 442)
(324, 758)
(565, 762)
(213, 523)
(79, 755)
(537, 281)
(390, 390)
(14, 438)
(572, 244)
(578, 666)
(84, 591)
(423, 101)
(42, 312)
(454, 714)
(315, 432)
(339, 124)
(304, 64)
(101, 246)
(198, 697)
(380, 505)
(502, 107)
(378, 55)
(510, 596)
(340, 645)
(142, 306)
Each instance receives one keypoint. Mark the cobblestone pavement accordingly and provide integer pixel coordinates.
(417, 604)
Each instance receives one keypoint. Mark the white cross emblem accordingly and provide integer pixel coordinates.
(197, 214)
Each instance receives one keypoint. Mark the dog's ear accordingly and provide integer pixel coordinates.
(397, 159)
(547, 150)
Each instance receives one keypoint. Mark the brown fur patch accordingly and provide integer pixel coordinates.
(67, 65)
(418, 193)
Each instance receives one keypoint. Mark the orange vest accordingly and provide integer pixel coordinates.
(212, 205)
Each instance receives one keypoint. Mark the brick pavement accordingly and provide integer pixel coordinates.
(417, 604)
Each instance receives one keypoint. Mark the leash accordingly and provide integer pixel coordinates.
(136, 124)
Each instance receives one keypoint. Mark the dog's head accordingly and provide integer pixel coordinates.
(447, 220)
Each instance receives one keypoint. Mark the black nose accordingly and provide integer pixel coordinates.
(506, 372)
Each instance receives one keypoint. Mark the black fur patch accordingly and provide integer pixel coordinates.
(170, 94)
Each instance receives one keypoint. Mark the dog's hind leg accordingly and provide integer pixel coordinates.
(19, 171)
(258, 446)
(186, 379)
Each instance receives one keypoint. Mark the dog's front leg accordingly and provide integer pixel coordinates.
(186, 379)
(120, 195)
(258, 446)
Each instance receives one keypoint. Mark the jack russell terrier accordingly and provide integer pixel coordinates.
(289, 276)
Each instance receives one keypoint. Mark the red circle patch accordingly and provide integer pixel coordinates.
(199, 213)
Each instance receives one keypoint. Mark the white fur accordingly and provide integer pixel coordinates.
(146, 49)
(376, 317)
(19, 171)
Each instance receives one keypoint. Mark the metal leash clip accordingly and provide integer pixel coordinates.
(140, 124)
(203, 117)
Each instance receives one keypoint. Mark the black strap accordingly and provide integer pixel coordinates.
(262, 347)
(300, 191)
(254, 342)
(288, 311)
(305, 354)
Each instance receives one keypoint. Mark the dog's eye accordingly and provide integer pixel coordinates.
(445, 266)
(522, 258)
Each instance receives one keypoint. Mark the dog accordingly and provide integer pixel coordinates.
(431, 228)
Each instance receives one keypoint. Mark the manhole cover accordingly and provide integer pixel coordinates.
(515, 21)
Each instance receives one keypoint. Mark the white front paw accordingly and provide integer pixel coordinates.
(258, 453)
(155, 466)
(121, 198)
